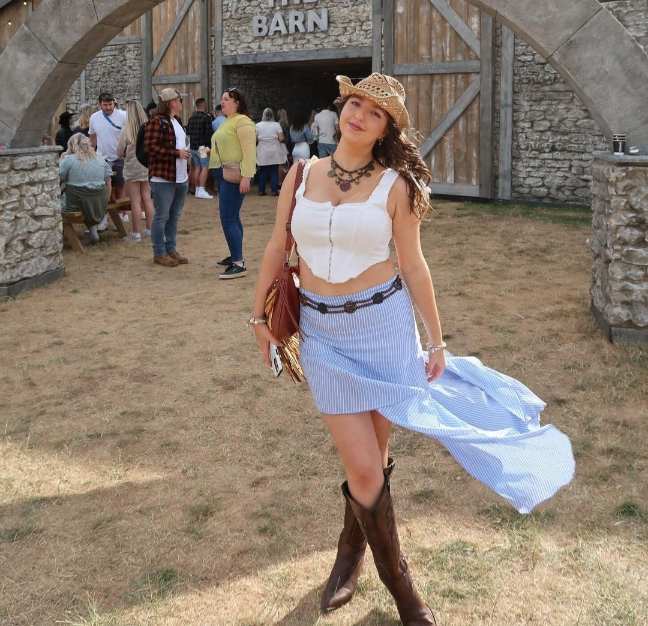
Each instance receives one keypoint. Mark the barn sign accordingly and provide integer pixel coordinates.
(290, 22)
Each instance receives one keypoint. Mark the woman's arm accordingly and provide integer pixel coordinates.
(121, 145)
(415, 271)
(246, 134)
(273, 259)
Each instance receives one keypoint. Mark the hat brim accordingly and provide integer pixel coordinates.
(347, 88)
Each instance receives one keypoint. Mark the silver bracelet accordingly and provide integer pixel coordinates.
(432, 348)
(257, 321)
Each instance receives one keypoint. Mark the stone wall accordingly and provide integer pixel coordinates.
(31, 239)
(620, 246)
(117, 69)
(349, 25)
(554, 136)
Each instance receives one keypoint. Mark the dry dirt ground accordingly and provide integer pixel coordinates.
(152, 472)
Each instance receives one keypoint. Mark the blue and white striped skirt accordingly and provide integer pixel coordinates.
(372, 360)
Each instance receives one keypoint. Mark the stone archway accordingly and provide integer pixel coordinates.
(583, 41)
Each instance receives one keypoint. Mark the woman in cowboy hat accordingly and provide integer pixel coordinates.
(361, 351)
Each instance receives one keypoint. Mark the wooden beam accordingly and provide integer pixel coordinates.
(504, 178)
(486, 107)
(256, 58)
(388, 35)
(462, 29)
(147, 58)
(447, 67)
(204, 50)
(458, 189)
(173, 79)
(376, 35)
(451, 117)
(168, 37)
(217, 70)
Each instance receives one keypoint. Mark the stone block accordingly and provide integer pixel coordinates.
(614, 87)
(635, 255)
(28, 162)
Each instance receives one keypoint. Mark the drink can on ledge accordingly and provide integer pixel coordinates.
(619, 144)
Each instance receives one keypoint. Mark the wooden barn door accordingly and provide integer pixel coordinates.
(178, 32)
(442, 51)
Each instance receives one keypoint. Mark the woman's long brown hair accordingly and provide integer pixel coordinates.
(399, 153)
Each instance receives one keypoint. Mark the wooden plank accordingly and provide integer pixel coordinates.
(168, 37)
(147, 58)
(451, 117)
(457, 23)
(205, 18)
(486, 108)
(457, 189)
(388, 35)
(173, 79)
(123, 39)
(506, 115)
(298, 55)
(376, 35)
(217, 70)
(444, 67)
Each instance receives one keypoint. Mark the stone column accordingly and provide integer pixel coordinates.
(31, 231)
(620, 246)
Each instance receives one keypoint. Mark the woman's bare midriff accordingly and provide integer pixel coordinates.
(372, 276)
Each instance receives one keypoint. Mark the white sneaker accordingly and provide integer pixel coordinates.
(202, 193)
(125, 217)
(147, 232)
(135, 237)
(103, 224)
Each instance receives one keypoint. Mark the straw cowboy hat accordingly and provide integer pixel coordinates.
(383, 90)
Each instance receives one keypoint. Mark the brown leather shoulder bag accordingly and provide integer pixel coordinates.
(282, 299)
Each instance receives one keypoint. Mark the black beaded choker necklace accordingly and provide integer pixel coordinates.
(345, 178)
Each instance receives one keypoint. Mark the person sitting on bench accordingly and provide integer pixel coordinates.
(87, 182)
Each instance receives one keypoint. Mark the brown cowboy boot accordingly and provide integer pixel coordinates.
(352, 544)
(379, 526)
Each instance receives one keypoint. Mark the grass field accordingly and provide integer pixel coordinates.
(152, 472)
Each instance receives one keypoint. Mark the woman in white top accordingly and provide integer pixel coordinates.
(271, 152)
(135, 174)
(360, 346)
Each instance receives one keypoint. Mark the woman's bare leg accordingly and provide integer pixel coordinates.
(133, 191)
(382, 426)
(355, 438)
(147, 202)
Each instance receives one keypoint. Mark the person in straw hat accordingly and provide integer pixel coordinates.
(361, 352)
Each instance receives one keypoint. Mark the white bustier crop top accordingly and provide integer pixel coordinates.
(340, 241)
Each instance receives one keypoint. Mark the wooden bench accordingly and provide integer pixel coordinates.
(70, 235)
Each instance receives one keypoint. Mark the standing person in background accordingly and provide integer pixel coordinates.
(199, 129)
(135, 174)
(282, 118)
(325, 128)
(219, 118)
(83, 123)
(271, 152)
(233, 144)
(300, 135)
(311, 125)
(64, 132)
(105, 127)
(168, 154)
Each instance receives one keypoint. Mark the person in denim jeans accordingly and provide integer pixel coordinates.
(165, 142)
(233, 143)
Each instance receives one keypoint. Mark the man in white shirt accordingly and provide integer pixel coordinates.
(105, 127)
(325, 128)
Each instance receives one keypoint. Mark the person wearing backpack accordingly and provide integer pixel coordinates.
(167, 154)
(135, 173)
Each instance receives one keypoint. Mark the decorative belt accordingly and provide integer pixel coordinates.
(351, 306)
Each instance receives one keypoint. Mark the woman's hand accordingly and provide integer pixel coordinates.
(435, 365)
(264, 338)
(244, 185)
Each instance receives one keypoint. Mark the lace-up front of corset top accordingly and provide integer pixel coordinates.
(339, 242)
